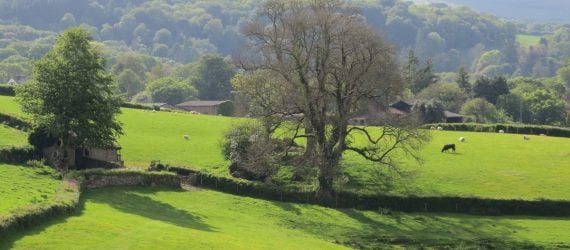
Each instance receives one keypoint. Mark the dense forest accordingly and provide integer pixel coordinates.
(173, 50)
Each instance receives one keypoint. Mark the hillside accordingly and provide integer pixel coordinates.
(543, 11)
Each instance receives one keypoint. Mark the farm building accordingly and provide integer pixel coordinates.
(83, 158)
(451, 117)
(17, 80)
(208, 107)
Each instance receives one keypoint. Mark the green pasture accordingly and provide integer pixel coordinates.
(160, 136)
(488, 165)
(12, 137)
(144, 218)
(526, 41)
(8, 105)
(20, 186)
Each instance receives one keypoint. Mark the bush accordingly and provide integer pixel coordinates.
(19, 154)
(14, 122)
(251, 152)
(7, 90)
(136, 106)
(40, 138)
(508, 128)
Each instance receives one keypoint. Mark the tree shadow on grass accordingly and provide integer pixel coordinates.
(136, 201)
(435, 230)
(124, 199)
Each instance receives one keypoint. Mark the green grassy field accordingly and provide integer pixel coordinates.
(526, 41)
(20, 186)
(9, 106)
(489, 165)
(12, 137)
(145, 218)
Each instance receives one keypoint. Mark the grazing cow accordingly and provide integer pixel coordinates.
(186, 137)
(462, 139)
(447, 147)
(526, 138)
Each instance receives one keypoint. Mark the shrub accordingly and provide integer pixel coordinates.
(508, 128)
(40, 138)
(7, 90)
(251, 152)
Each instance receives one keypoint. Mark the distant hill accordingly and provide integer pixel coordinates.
(530, 10)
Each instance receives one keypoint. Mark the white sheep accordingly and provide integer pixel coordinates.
(542, 135)
(526, 138)
(432, 128)
(462, 139)
(439, 128)
(501, 131)
(186, 137)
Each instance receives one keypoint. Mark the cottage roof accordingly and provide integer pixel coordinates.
(200, 103)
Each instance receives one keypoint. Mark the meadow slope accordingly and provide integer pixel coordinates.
(488, 165)
(145, 218)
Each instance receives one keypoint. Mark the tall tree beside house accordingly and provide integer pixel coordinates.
(212, 77)
(72, 97)
(462, 80)
(329, 61)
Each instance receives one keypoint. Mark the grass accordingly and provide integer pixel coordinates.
(159, 136)
(489, 165)
(145, 218)
(12, 137)
(20, 186)
(8, 105)
(526, 41)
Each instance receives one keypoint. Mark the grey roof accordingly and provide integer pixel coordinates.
(200, 103)
(449, 114)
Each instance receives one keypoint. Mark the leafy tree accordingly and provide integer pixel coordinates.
(72, 97)
(490, 88)
(483, 111)
(328, 73)
(212, 77)
(545, 107)
(448, 94)
(431, 111)
(462, 80)
(171, 91)
(130, 83)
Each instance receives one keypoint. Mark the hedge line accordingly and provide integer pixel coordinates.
(137, 106)
(65, 202)
(342, 199)
(66, 198)
(19, 154)
(7, 90)
(14, 122)
(508, 128)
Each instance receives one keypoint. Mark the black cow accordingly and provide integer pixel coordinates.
(448, 147)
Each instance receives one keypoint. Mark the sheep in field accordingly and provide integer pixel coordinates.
(439, 128)
(501, 131)
(186, 137)
(526, 138)
(462, 139)
(432, 128)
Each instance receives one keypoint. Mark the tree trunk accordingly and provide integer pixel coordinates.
(328, 169)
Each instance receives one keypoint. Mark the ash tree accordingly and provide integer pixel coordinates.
(311, 66)
(72, 97)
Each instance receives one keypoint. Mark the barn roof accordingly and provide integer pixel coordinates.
(449, 114)
(200, 103)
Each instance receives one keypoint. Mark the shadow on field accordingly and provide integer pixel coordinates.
(128, 200)
(431, 230)
(135, 201)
